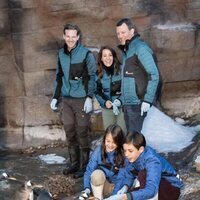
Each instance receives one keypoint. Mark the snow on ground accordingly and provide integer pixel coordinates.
(164, 134)
(161, 132)
(52, 159)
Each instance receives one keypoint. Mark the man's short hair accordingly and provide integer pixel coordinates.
(72, 27)
(128, 22)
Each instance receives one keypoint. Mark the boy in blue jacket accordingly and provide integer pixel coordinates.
(156, 176)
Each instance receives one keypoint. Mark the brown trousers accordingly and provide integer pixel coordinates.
(166, 190)
(76, 122)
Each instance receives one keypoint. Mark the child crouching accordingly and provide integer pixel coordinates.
(155, 176)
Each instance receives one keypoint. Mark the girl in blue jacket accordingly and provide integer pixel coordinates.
(108, 87)
(156, 177)
(103, 167)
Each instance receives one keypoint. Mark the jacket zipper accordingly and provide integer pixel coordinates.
(69, 72)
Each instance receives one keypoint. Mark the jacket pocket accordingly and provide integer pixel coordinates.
(141, 80)
(129, 91)
(77, 89)
(115, 88)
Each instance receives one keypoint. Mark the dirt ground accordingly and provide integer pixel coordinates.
(26, 165)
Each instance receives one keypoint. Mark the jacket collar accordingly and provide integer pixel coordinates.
(109, 70)
(66, 51)
(125, 47)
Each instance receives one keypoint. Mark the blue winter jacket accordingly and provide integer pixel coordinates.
(108, 88)
(156, 168)
(75, 74)
(95, 162)
(140, 76)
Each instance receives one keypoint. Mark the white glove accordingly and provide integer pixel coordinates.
(115, 109)
(117, 102)
(87, 105)
(84, 194)
(144, 107)
(53, 104)
(115, 197)
(123, 190)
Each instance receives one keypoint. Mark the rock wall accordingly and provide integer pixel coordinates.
(31, 33)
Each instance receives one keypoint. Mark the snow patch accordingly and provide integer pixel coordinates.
(164, 134)
(180, 120)
(197, 159)
(197, 128)
(52, 159)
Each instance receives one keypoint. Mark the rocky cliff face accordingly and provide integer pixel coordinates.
(31, 33)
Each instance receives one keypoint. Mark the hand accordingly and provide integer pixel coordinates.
(144, 107)
(53, 104)
(87, 105)
(84, 194)
(123, 190)
(115, 109)
(117, 102)
(108, 104)
(115, 197)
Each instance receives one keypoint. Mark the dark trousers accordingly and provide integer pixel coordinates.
(133, 118)
(166, 190)
(76, 122)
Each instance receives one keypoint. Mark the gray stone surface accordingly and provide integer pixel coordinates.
(170, 37)
(31, 33)
(184, 97)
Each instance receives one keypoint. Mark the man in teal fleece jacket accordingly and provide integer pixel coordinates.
(140, 76)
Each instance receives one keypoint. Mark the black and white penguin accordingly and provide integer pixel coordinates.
(44, 195)
(25, 192)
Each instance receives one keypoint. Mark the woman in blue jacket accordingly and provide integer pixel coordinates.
(156, 177)
(108, 91)
(102, 169)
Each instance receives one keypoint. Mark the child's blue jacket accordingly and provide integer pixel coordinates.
(95, 162)
(156, 168)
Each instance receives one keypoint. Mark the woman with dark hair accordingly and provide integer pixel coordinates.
(104, 164)
(108, 91)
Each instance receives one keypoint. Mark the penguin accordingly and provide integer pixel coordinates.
(3, 176)
(25, 192)
(44, 195)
